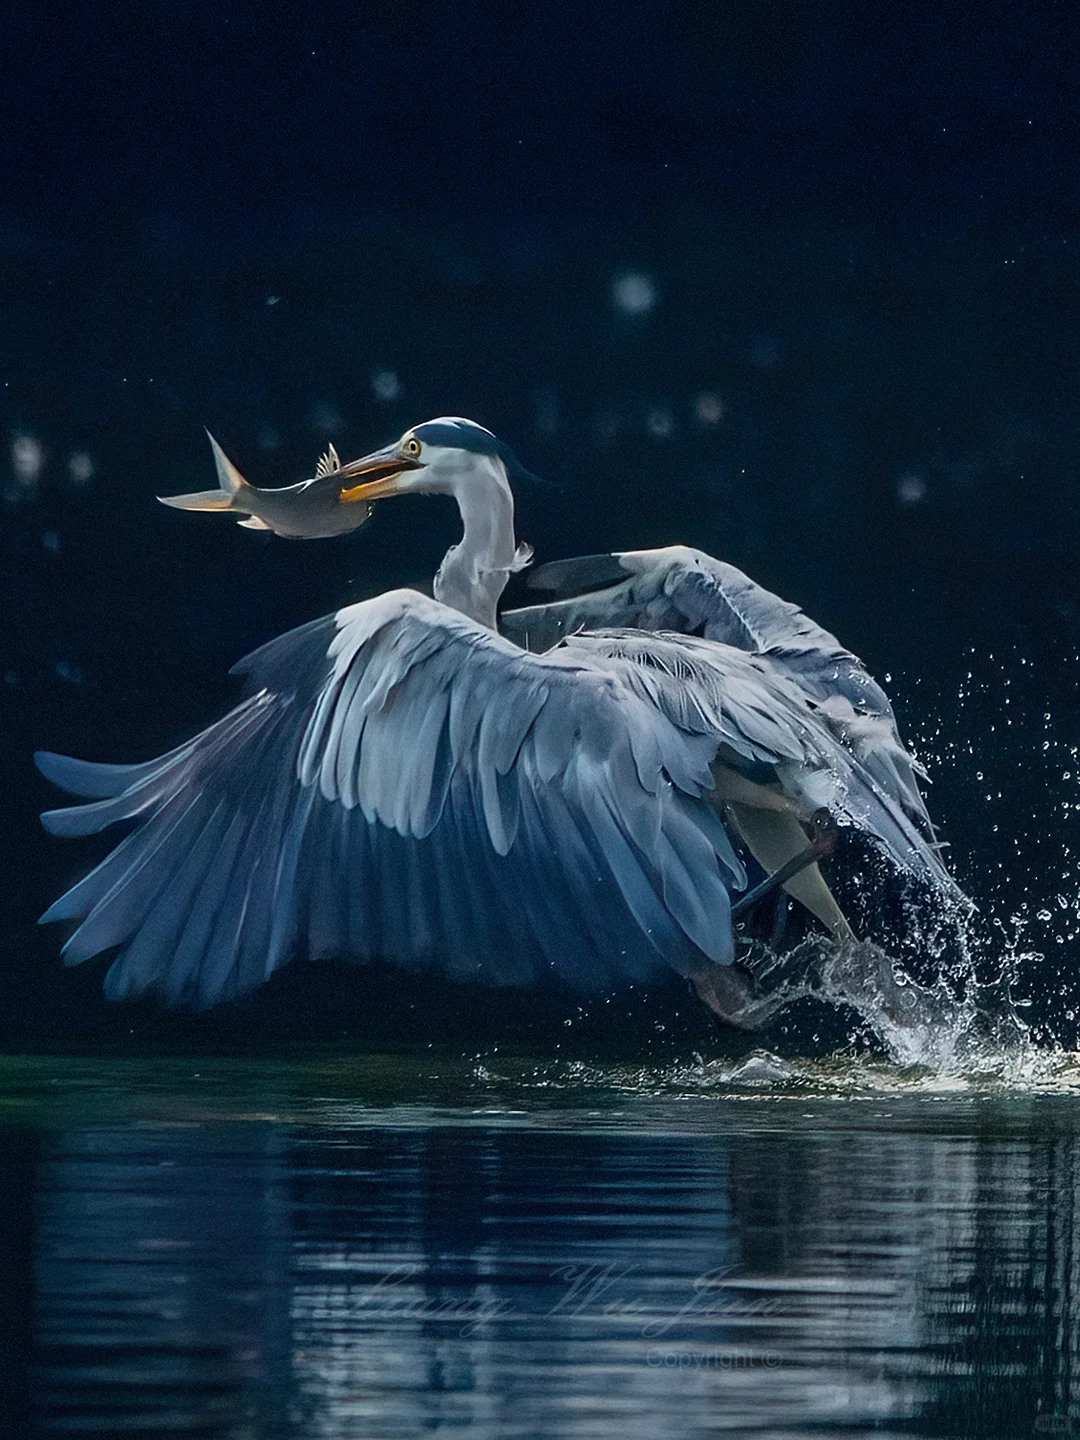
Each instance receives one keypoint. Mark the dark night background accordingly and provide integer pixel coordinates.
(797, 284)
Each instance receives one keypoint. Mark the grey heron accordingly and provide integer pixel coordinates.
(403, 782)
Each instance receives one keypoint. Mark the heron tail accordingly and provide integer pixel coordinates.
(228, 496)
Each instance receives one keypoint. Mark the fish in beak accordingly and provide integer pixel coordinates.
(315, 509)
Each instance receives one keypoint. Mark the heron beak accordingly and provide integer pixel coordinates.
(385, 467)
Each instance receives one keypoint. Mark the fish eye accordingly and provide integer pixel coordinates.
(413, 447)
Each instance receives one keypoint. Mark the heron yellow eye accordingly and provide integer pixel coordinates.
(412, 447)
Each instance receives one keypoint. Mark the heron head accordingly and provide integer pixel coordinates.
(430, 459)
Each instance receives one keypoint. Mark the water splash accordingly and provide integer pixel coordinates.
(764, 1074)
(995, 993)
(970, 1028)
(965, 1021)
(764, 1077)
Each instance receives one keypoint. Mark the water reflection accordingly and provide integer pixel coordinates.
(766, 1273)
(161, 1268)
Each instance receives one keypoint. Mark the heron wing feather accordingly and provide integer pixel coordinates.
(763, 718)
(682, 590)
(405, 785)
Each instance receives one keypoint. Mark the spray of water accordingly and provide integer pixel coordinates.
(991, 993)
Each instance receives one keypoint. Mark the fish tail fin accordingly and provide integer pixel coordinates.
(229, 495)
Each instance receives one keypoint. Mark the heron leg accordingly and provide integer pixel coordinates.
(822, 843)
(778, 842)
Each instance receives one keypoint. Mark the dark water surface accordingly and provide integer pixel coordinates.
(423, 1243)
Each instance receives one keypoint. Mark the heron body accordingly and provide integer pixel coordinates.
(403, 782)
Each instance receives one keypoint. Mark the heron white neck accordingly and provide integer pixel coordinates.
(474, 572)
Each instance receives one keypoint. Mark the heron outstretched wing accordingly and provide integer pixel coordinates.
(675, 588)
(686, 591)
(404, 784)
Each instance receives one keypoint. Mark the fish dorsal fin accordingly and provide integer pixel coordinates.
(328, 463)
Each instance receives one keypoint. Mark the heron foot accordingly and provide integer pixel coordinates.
(734, 994)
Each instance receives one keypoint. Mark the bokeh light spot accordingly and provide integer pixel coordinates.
(634, 293)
